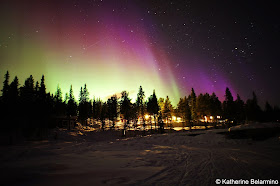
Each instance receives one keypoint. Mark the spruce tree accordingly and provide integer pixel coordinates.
(152, 106)
(192, 104)
(14, 89)
(253, 110)
(183, 111)
(42, 88)
(71, 105)
(239, 109)
(84, 104)
(6, 86)
(228, 106)
(112, 104)
(140, 103)
(125, 108)
(167, 109)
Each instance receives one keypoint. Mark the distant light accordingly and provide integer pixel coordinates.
(147, 116)
(218, 117)
(174, 118)
(211, 117)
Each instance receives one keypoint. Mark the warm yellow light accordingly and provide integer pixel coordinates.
(147, 116)
(174, 118)
(179, 119)
(205, 118)
(218, 117)
(211, 117)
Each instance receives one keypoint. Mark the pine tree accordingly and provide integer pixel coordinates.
(60, 106)
(13, 110)
(253, 110)
(203, 104)
(161, 104)
(268, 112)
(152, 106)
(112, 104)
(81, 98)
(192, 104)
(37, 88)
(6, 86)
(58, 94)
(85, 94)
(140, 103)
(183, 110)
(167, 109)
(215, 106)
(42, 88)
(239, 109)
(84, 104)
(94, 109)
(27, 91)
(98, 109)
(125, 107)
(104, 114)
(14, 90)
(228, 106)
(71, 105)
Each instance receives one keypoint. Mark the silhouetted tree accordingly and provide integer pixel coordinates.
(112, 104)
(268, 112)
(37, 88)
(94, 111)
(215, 105)
(192, 104)
(134, 115)
(14, 89)
(85, 108)
(152, 106)
(253, 110)
(183, 111)
(125, 108)
(45, 105)
(59, 105)
(13, 109)
(42, 88)
(104, 114)
(140, 104)
(5, 86)
(203, 105)
(71, 104)
(161, 104)
(97, 109)
(228, 105)
(58, 94)
(239, 111)
(167, 109)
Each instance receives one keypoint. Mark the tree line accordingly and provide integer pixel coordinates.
(30, 106)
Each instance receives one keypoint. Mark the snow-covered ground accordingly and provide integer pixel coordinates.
(105, 158)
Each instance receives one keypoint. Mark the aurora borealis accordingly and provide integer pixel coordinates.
(169, 46)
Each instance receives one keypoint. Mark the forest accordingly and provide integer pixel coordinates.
(29, 106)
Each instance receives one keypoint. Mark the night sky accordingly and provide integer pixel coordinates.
(169, 46)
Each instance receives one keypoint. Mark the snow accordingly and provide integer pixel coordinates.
(255, 126)
(105, 158)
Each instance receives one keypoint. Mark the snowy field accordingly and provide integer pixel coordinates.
(175, 158)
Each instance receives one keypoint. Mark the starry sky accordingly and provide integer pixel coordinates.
(169, 46)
